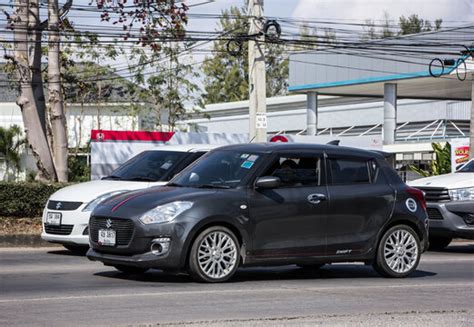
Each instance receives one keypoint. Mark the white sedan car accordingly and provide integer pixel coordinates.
(66, 215)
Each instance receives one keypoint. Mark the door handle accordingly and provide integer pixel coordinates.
(316, 198)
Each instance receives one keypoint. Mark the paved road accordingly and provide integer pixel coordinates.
(51, 287)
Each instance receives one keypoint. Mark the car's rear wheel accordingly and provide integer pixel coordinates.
(130, 269)
(77, 249)
(398, 253)
(439, 243)
(214, 255)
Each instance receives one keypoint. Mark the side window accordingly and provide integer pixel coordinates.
(296, 171)
(374, 171)
(349, 171)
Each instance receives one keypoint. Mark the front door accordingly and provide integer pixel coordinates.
(289, 221)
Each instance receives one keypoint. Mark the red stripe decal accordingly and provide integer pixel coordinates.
(106, 135)
(123, 201)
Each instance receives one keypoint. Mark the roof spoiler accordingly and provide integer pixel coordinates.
(334, 142)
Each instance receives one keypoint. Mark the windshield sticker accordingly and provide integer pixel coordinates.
(247, 164)
(244, 156)
(252, 158)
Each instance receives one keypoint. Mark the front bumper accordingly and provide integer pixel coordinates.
(136, 250)
(74, 220)
(450, 219)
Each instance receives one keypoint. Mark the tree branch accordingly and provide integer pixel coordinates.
(62, 11)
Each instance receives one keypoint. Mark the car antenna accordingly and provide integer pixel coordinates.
(334, 142)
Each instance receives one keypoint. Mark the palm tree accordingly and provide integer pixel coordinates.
(441, 165)
(11, 141)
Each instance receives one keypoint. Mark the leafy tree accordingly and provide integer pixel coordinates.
(44, 121)
(414, 24)
(226, 76)
(11, 142)
(163, 84)
(442, 163)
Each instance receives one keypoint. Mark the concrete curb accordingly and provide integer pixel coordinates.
(23, 240)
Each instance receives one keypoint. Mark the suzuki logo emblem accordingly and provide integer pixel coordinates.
(108, 223)
(59, 205)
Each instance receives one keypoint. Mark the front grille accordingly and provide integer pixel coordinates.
(434, 214)
(58, 230)
(63, 205)
(123, 227)
(435, 194)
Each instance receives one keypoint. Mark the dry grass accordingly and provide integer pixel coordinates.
(17, 226)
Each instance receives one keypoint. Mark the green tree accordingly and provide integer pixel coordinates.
(414, 24)
(441, 165)
(226, 76)
(163, 84)
(11, 142)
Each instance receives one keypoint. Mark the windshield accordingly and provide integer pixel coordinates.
(467, 168)
(219, 169)
(151, 166)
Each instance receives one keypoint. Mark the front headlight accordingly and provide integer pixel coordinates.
(91, 205)
(166, 212)
(462, 194)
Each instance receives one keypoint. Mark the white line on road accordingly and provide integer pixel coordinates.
(236, 291)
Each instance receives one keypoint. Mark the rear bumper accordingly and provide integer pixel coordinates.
(451, 219)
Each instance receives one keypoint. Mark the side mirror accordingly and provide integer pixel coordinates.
(268, 182)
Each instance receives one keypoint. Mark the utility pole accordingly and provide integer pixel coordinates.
(257, 84)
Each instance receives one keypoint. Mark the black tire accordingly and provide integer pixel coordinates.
(77, 249)
(315, 266)
(439, 243)
(381, 265)
(195, 270)
(130, 269)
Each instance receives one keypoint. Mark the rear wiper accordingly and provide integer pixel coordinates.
(212, 186)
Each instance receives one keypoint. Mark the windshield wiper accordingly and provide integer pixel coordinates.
(213, 186)
(174, 184)
(141, 179)
(112, 177)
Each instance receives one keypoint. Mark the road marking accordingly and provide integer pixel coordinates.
(260, 291)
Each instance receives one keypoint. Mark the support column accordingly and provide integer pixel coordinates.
(389, 113)
(311, 113)
(471, 129)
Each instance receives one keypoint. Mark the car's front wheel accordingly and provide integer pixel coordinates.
(398, 253)
(214, 255)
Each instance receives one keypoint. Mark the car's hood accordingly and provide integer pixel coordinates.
(86, 192)
(138, 202)
(453, 180)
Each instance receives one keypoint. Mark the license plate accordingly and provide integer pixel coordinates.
(53, 218)
(107, 237)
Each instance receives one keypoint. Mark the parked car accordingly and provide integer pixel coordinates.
(266, 204)
(450, 205)
(66, 215)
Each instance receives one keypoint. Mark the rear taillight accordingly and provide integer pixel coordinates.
(418, 195)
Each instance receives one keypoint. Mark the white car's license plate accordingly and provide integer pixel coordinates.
(53, 218)
(107, 237)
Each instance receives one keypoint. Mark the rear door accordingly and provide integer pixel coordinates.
(360, 202)
(289, 221)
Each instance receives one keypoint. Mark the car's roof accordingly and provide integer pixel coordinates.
(282, 146)
(186, 147)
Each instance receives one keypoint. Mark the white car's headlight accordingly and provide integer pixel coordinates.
(166, 212)
(462, 194)
(91, 205)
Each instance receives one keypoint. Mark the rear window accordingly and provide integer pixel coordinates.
(350, 171)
